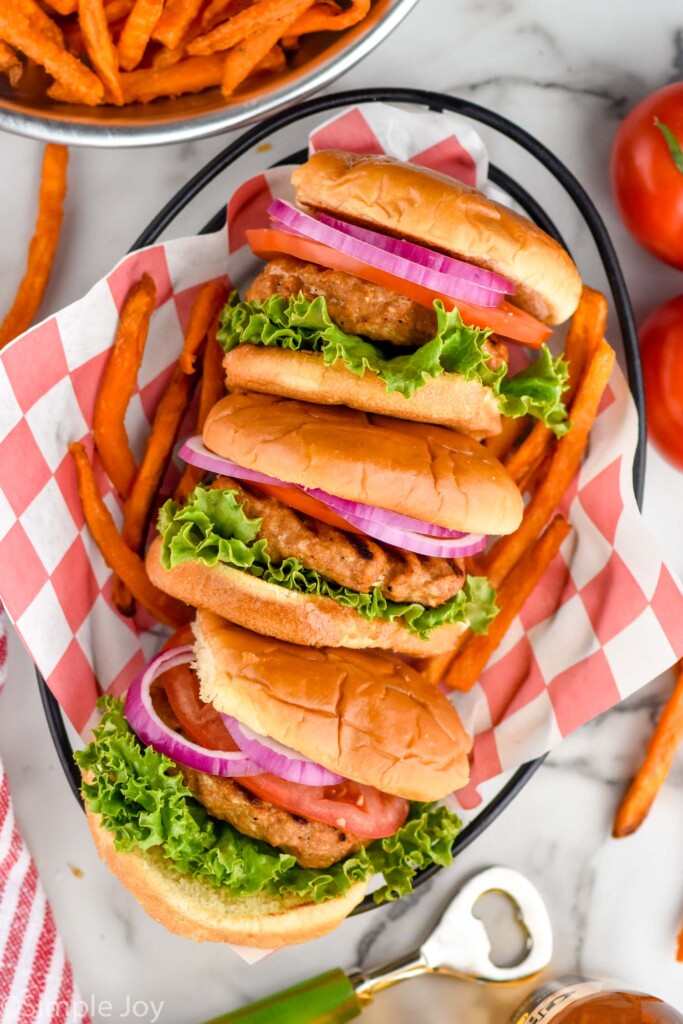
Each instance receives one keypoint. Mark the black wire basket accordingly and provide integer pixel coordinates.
(434, 101)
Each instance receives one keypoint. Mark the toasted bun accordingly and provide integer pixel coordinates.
(197, 910)
(368, 716)
(448, 400)
(297, 618)
(421, 470)
(434, 209)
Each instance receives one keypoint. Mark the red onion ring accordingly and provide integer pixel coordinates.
(371, 514)
(424, 257)
(288, 218)
(145, 722)
(469, 544)
(195, 452)
(278, 759)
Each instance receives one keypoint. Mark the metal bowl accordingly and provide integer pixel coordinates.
(321, 59)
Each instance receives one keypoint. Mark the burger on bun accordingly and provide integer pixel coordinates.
(333, 527)
(394, 289)
(253, 800)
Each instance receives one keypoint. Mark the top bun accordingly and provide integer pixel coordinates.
(432, 473)
(436, 210)
(368, 716)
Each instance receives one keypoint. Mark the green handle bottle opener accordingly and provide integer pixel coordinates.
(459, 946)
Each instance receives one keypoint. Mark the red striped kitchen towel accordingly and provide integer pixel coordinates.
(36, 979)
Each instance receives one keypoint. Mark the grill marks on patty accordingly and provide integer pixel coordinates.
(314, 844)
(358, 563)
(358, 307)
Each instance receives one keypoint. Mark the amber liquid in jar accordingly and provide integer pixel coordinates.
(578, 1000)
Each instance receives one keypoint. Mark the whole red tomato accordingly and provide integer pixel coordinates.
(648, 187)
(661, 346)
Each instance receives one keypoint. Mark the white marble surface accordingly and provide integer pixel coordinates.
(567, 73)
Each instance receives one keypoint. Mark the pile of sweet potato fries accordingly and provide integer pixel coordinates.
(138, 485)
(543, 468)
(135, 51)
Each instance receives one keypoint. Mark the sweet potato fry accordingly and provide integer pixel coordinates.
(43, 245)
(41, 21)
(651, 775)
(220, 10)
(166, 57)
(679, 946)
(321, 19)
(138, 507)
(212, 389)
(274, 60)
(243, 59)
(116, 552)
(521, 463)
(137, 32)
(10, 64)
(190, 75)
(193, 74)
(435, 668)
(498, 562)
(586, 331)
(175, 21)
(473, 656)
(263, 15)
(17, 30)
(114, 11)
(531, 481)
(118, 385)
(502, 444)
(585, 334)
(100, 47)
(208, 303)
(63, 7)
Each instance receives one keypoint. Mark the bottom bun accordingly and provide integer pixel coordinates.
(199, 911)
(306, 619)
(448, 400)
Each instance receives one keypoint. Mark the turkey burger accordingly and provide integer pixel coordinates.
(394, 289)
(253, 800)
(336, 528)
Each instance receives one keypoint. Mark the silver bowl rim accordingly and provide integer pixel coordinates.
(75, 131)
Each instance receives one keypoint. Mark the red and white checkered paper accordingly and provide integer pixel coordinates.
(607, 618)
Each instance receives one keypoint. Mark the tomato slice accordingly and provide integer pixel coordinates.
(302, 502)
(349, 805)
(200, 720)
(505, 319)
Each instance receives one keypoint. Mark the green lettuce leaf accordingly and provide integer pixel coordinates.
(302, 325)
(537, 391)
(212, 528)
(145, 804)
